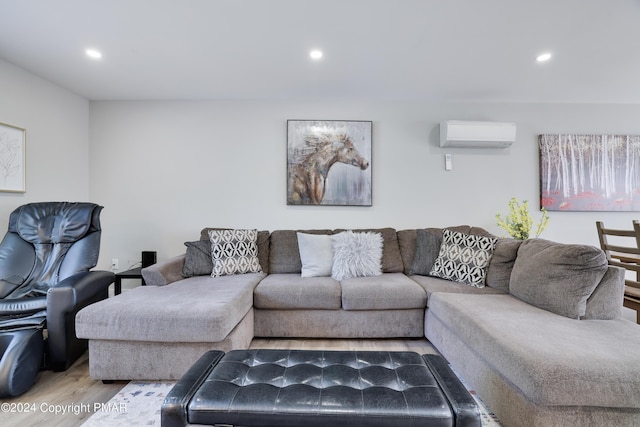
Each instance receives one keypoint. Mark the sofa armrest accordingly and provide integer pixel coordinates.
(605, 303)
(164, 272)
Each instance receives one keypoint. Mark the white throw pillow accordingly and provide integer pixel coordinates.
(316, 254)
(356, 255)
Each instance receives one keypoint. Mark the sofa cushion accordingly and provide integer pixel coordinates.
(553, 360)
(407, 241)
(407, 245)
(356, 255)
(234, 252)
(435, 284)
(262, 242)
(427, 249)
(557, 277)
(290, 291)
(501, 264)
(389, 291)
(197, 309)
(197, 260)
(464, 258)
(604, 302)
(391, 259)
(316, 254)
(284, 254)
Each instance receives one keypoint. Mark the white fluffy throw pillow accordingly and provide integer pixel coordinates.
(356, 255)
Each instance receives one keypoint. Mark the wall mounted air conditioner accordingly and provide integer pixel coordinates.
(459, 133)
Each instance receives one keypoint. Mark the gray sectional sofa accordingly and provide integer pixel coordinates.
(542, 343)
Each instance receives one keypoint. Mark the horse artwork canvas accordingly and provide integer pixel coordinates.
(329, 163)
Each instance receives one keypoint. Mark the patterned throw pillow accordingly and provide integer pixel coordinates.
(356, 255)
(464, 258)
(234, 252)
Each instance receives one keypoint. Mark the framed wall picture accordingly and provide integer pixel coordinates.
(12, 158)
(590, 172)
(329, 162)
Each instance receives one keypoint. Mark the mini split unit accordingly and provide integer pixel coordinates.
(463, 134)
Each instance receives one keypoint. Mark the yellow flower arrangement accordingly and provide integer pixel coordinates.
(519, 222)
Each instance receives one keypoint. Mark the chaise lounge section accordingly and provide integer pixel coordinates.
(541, 341)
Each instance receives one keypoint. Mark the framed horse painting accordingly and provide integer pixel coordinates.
(329, 162)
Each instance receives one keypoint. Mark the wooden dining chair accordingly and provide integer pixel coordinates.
(627, 257)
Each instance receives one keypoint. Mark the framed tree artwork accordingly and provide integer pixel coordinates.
(329, 162)
(12, 158)
(590, 172)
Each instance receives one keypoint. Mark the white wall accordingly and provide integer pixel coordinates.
(57, 147)
(164, 170)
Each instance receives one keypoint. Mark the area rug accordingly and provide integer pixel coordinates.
(138, 404)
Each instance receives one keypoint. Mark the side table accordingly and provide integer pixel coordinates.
(134, 273)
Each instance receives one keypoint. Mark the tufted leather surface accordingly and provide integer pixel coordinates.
(318, 388)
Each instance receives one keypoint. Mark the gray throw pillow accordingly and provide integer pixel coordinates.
(427, 250)
(197, 260)
(557, 277)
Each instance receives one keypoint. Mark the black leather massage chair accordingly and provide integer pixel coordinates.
(45, 259)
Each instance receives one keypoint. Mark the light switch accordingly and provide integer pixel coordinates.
(448, 165)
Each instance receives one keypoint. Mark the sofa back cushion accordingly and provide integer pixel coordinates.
(284, 253)
(605, 303)
(407, 245)
(427, 249)
(501, 264)
(557, 277)
(413, 250)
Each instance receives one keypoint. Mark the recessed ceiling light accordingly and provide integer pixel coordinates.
(94, 54)
(543, 57)
(315, 54)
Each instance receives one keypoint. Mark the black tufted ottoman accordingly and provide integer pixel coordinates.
(319, 388)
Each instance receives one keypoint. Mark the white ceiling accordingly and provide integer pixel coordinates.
(439, 50)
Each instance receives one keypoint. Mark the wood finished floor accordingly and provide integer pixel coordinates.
(74, 388)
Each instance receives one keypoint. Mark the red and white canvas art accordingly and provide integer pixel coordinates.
(590, 172)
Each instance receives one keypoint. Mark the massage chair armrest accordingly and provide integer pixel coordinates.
(63, 302)
(164, 272)
(76, 289)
